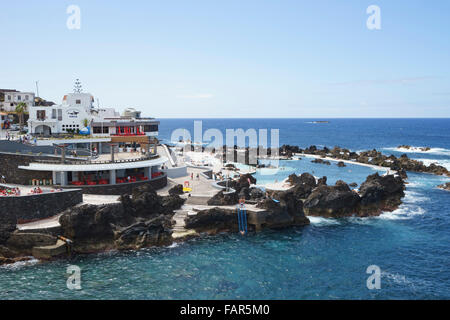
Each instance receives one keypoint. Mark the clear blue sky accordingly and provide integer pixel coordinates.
(227, 58)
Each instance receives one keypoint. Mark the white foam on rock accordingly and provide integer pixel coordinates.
(320, 221)
(440, 162)
(20, 264)
(404, 212)
(437, 151)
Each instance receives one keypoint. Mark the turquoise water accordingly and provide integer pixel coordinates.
(326, 260)
(350, 173)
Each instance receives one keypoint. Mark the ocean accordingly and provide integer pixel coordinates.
(325, 260)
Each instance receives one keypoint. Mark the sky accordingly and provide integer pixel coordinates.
(235, 59)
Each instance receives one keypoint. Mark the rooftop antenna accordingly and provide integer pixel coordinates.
(37, 88)
(77, 88)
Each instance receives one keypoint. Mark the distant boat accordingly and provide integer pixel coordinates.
(321, 121)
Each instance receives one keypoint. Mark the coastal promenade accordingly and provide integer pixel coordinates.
(346, 161)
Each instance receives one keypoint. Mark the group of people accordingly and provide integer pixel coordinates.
(37, 190)
(9, 192)
(25, 139)
(192, 176)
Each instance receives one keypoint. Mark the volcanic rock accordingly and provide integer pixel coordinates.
(176, 190)
(445, 186)
(332, 201)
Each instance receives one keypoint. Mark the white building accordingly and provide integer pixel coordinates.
(77, 114)
(76, 125)
(12, 98)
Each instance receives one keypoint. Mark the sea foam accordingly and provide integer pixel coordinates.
(20, 264)
(441, 162)
(320, 221)
(437, 151)
(404, 212)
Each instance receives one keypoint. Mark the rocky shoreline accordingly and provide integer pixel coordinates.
(373, 157)
(145, 219)
(445, 186)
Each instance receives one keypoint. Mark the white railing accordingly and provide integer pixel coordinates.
(169, 155)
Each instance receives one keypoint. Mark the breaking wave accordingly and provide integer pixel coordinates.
(414, 197)
(404, 212)
(20, 264)
(441, 162)
(437, 151)
(320, 221)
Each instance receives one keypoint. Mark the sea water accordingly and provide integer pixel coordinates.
(325, 260)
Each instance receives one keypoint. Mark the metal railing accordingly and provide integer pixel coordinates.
(87, 162)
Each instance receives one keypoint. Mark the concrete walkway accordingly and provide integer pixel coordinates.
(200, 186)
(179, 230)
(346, 161)
(48, 252)
(52, 222)
(97, 199)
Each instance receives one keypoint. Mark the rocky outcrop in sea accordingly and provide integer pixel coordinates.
(372, 157)
(376, 194)
(444, 186)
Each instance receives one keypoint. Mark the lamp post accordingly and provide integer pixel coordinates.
(62, 147)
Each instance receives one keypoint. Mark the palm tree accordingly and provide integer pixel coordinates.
(20, 110)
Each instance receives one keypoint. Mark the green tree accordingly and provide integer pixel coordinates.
(20, 110)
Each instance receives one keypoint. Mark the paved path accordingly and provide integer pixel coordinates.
(200, 186)
(97, 199)
(47, 223)
(347, 161)
(179, 230)
(13, 147)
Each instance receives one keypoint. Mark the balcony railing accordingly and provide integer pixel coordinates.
(87, 162)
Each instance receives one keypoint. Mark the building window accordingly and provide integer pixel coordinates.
(151, 128)
(9, 98)
(99, 130)
(40, 114)
(19, 98)
(26, 97)
(78, 101)
(59, 114)
(53, 113)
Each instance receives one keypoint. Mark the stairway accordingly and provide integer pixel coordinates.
(179, 230)
(48, 252)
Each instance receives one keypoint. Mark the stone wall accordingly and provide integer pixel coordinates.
(9, 163)
(38, 206)
(121, 188)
